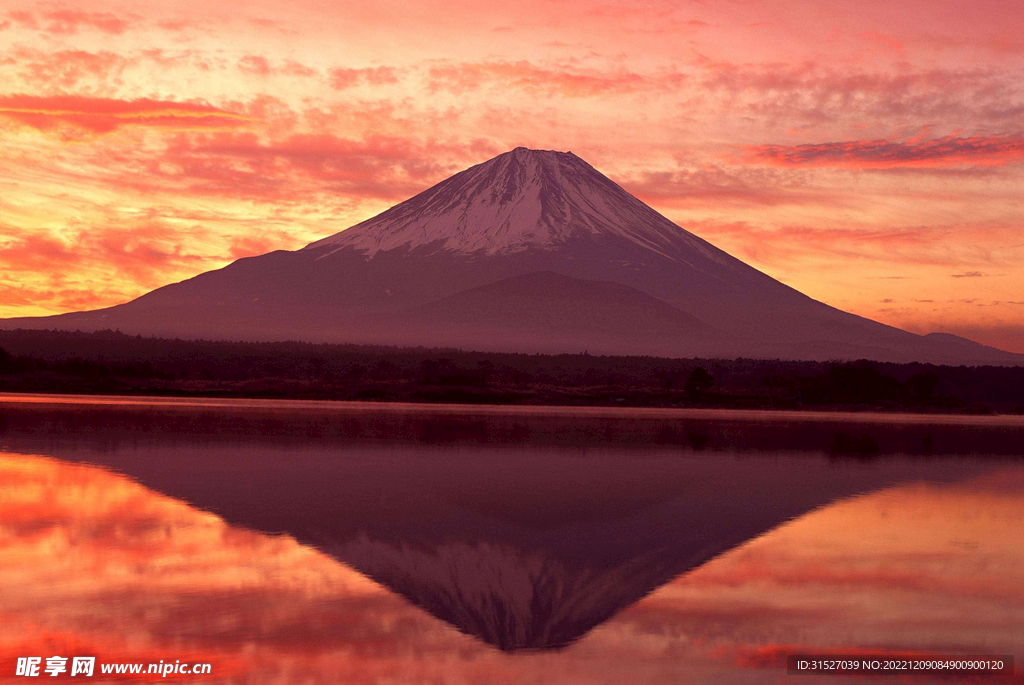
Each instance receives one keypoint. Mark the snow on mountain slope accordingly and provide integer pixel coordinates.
(518, 200)
(510, 598)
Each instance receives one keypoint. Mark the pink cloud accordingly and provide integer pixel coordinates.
(711, 185)
(986, 150)
(564, 81)
(66, 69)
(806, 94)
(69, 21)
(375, 76)
(258, 65)
(255, 64)
(22, 18)
(253, 245)
(936, 245)
(886, 41)
(375, 167)
(74, 115)
(293, 68)
(137, 251)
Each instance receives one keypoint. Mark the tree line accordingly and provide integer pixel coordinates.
(112, 362)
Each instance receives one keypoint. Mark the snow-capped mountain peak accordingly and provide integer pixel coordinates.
(520, 199)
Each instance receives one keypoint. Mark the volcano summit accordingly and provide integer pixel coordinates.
(531, 251)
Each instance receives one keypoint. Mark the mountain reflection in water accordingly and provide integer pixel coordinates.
(184, 538)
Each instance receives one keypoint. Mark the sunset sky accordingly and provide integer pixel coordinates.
(868, 153)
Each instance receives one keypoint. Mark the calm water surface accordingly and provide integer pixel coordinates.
(295, 542)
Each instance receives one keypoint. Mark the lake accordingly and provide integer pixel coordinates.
(315, 542)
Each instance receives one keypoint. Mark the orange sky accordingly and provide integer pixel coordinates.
(869, 153)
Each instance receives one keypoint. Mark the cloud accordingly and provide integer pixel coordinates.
(807, 95)
(69, 21)
(968, 274)
(293, 68)
(178, 25)
(138, 251)
(885, 41)
(37, 298)
(565, 81)
(34, 252)
(929, 245)
(298, 165)
(66, 69)
(251, 245)
(712, 185)
(791, 243)
(987, 150)
(343, 78)
(76, 116)
(254, 64)
(258, 65)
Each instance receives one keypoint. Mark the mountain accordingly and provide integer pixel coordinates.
(549, 312)
(532, 250)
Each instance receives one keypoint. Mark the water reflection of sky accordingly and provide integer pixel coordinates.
(94, 563)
